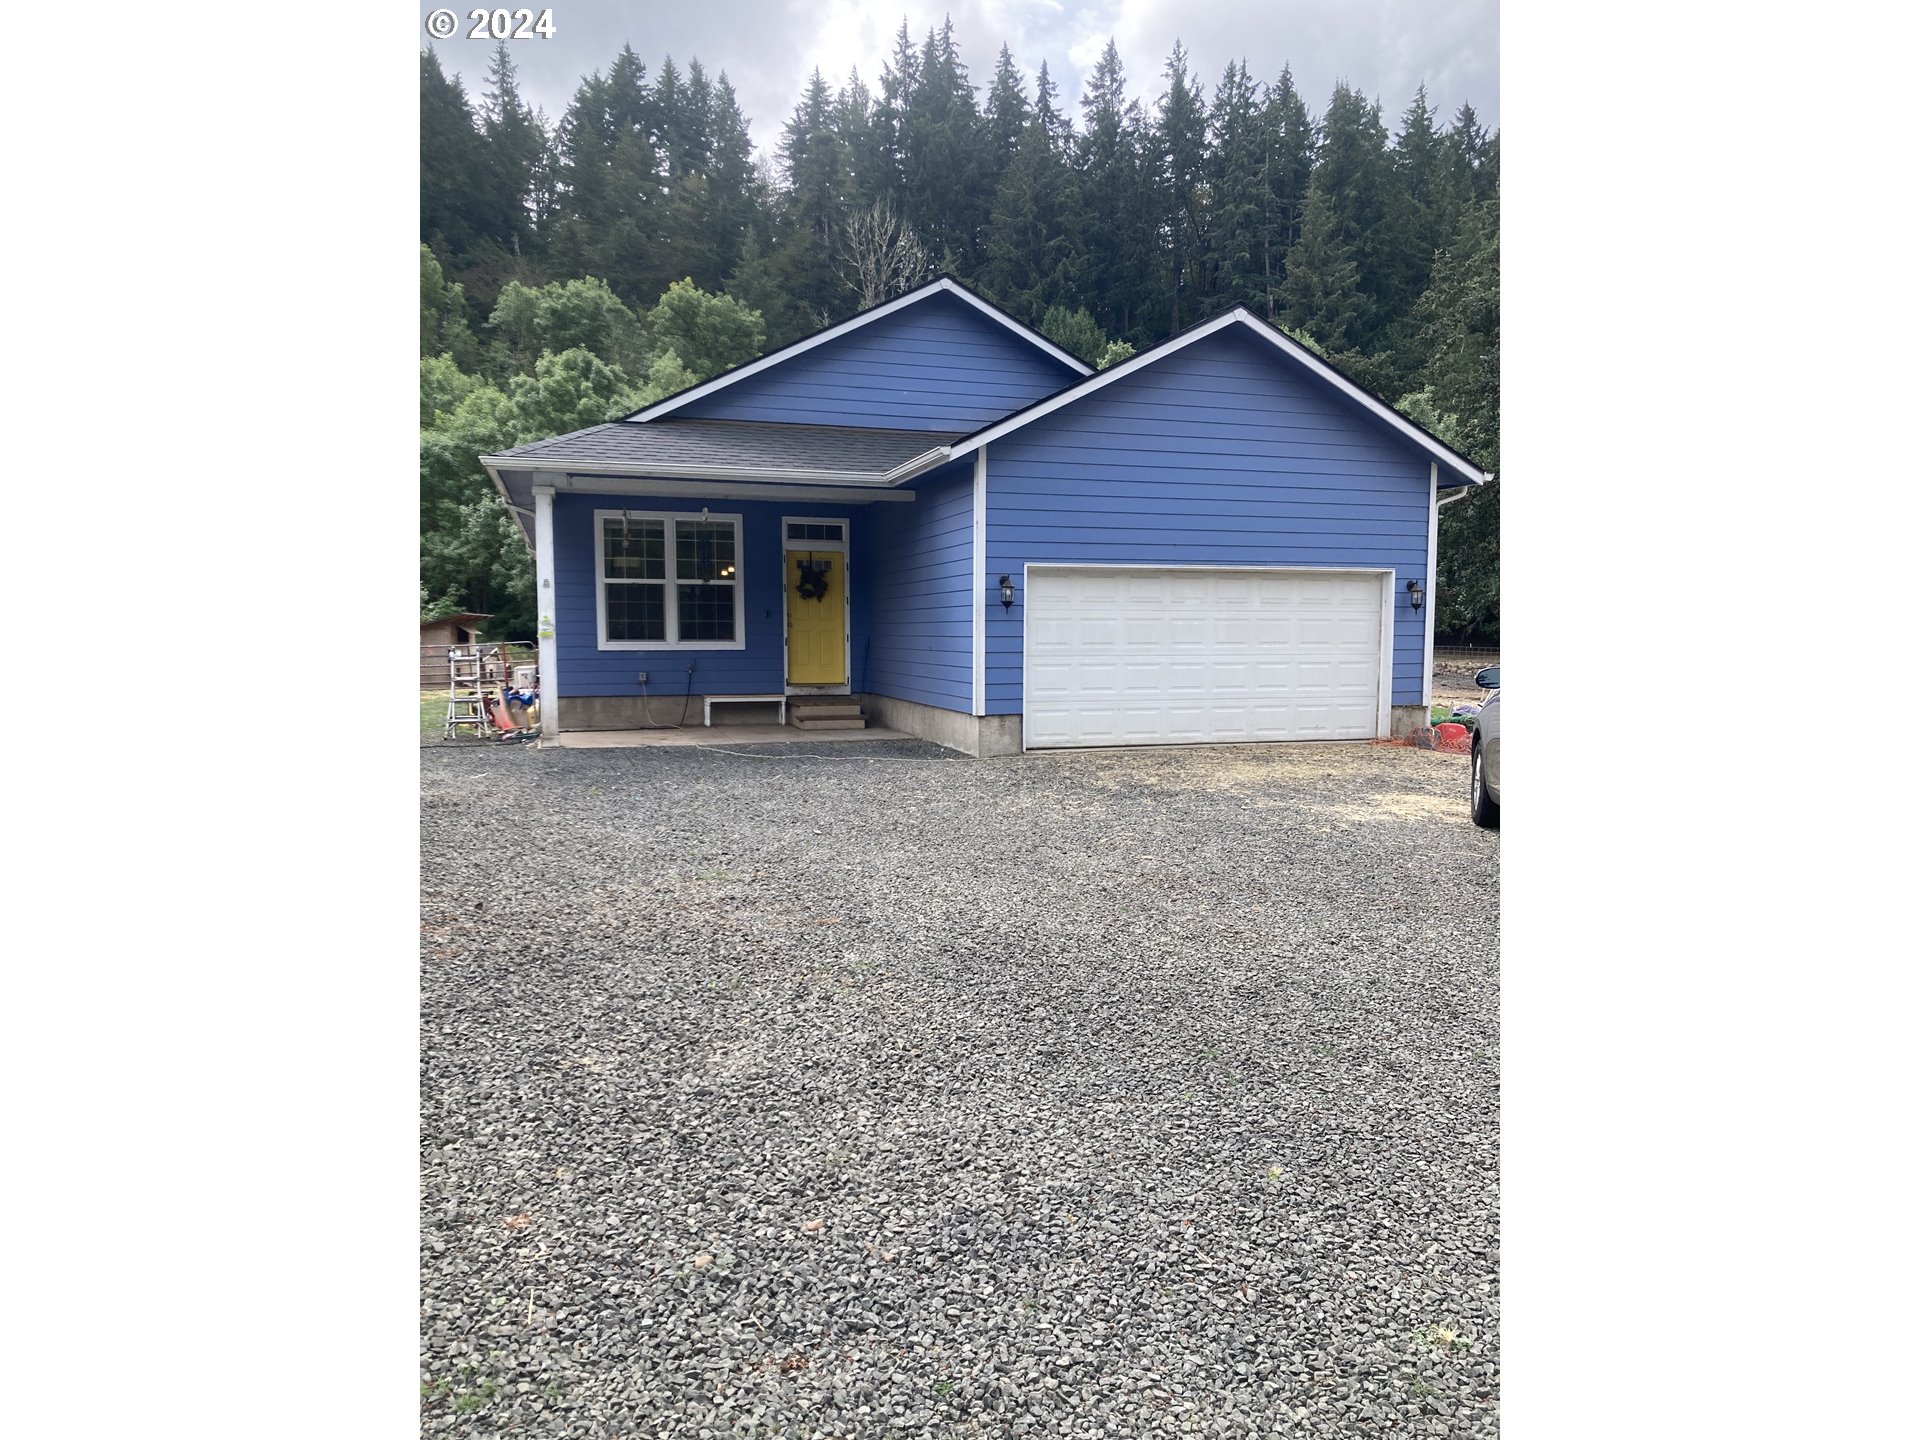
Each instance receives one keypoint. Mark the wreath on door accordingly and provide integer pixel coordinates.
(813, 579)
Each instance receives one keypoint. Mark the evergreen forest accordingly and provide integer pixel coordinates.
(574, 269)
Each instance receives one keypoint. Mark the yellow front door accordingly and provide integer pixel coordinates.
(816, 623)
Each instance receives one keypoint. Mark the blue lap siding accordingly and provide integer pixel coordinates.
(759, 669)
(1224, 453)
(937, 365)
(913, 568)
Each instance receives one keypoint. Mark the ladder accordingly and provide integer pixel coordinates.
(467, 685)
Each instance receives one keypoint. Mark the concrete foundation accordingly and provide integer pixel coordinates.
(978, 735)
(633, 712)
(1406, 719)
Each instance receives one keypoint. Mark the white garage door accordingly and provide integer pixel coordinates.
(1138, 656)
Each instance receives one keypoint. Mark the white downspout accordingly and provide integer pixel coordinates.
(1433, 570)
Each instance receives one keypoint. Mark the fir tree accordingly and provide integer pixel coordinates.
(694, 153)
(1006, 117)
(810, 151)
(1030, 250)
(899, 81)
(733, 184)
(941, 165)
(455, 193)
(1180, 163)
(1288, 173)
(515, 146)
(1472, 155)
(854, 119)
(1433, 207)
(1321, 293)
(669, 119)
(1236, 179)
(1056, 123)
(1354, 178)
(1111, 215)
(815, 163)
(755, 282)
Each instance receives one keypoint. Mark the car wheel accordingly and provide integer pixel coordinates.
(1486, 810)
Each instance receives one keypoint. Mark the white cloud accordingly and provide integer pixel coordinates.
(768, 47)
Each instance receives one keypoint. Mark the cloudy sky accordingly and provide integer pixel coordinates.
(767, 47)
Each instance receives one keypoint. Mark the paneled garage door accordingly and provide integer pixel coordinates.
(1129, 655)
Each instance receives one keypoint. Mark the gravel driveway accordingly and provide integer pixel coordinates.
(878, 1092)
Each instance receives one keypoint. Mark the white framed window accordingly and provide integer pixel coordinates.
(668, 581)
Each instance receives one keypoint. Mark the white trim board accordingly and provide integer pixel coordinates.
(669, 583)
(943, 285)
(980, 581)
(575, 484)
(1241, 317)
(843, 547)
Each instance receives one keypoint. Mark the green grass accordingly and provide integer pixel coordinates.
(433, 716)
(450, 1387)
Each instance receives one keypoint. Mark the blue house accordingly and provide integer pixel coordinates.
(931, 510)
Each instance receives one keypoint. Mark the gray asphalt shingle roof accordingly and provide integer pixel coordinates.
(729, 444)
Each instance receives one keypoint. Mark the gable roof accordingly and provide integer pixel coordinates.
(1445, 455)
(944, 285)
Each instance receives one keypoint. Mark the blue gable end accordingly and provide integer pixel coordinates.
(1226, 453)
(936, 365)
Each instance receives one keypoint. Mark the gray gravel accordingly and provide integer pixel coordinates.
(878, 1092)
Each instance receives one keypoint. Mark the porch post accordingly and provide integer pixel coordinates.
(546, 608)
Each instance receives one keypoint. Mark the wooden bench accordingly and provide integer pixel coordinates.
(713, 700)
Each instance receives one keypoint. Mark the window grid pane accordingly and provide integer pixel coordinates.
(808, 530)
(636, 611)
(703, 550)
(636, 550)
(706, 612)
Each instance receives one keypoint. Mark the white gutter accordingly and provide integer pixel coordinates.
(905, 470)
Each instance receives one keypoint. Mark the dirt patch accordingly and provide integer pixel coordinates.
(1450, 810)
(1295, 766)
(1454, 683)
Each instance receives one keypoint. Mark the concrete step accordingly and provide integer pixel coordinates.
(806, 721)
(836, 711)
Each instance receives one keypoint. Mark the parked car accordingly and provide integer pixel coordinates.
(1486, 753)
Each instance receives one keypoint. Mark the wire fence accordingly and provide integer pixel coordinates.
(504, 655)
(1465, 657)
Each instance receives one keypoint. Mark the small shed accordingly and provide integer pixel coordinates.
(436, 636)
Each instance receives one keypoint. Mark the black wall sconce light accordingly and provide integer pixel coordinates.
(1006, 591)
(1416, 596)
